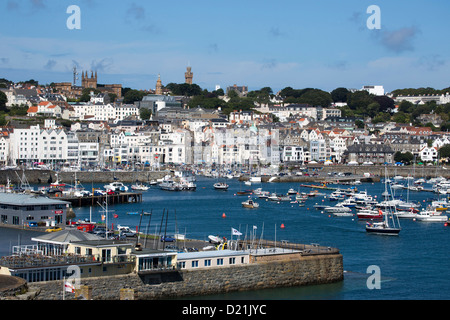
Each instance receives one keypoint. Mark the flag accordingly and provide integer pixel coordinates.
(69, 287)
(235, 232)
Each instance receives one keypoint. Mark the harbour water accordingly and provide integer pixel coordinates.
(413, 266)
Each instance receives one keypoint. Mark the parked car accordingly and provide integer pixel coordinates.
(53, 229)
(167, 239)
(128, 233)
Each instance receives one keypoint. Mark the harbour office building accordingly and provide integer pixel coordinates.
(21, 209)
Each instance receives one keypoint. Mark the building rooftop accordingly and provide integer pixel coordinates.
(67, 236)
(27, 200)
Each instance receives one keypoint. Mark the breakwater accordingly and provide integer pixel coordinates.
(84, 177)
(282, 271)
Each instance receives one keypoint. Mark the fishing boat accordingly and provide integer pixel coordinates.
(291, 191)
(221, 186)
(250, 204)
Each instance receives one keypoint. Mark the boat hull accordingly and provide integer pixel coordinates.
(383, 231)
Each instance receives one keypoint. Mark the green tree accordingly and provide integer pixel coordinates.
(86, 94)
(133, 95)
(145, 113)
(444, 151)
(3, 101)
(340, 94)
(359, 100)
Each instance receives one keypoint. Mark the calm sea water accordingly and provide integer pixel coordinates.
(413, 265)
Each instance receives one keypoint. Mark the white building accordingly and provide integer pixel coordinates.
(293, 153)
(428, 153)
(375, 90)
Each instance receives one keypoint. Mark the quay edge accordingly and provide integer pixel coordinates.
(287, 271)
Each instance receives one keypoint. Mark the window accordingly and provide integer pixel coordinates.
(195, 264)
(207, 263)
(220, 262)
(232, 260)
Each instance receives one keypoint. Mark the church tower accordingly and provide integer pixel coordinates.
(89, 82)
(189, 75)
(158, 86)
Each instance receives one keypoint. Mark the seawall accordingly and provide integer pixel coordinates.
(291, 270)
(85, 177)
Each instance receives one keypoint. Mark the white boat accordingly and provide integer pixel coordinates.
(221, 186)
(116, 186)
(343, 214)
(292, 191)
(397, 186)
(214, 239)
(255, 179)
(405, 214)
(337, 209)
(390, 225)
(250, 204)
(431, 216)
(261, 194)
(140, 186)
(369, 214)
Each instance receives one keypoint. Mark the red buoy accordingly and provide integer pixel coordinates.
(282, 226)
(224, 215)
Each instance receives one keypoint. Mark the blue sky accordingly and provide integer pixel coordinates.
(322, 44)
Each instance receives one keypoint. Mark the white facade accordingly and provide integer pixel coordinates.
(293, 153)
(104, 112)
(428, 154)
(375, 90)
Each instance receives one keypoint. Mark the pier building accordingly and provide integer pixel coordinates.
(21, 209)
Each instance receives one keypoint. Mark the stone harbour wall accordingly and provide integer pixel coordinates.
(308, 270)
(85, 177)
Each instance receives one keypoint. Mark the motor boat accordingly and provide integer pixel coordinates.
(369, 214)
(250, 204)
(337, 209)
(116, 186)
(431, 216)
(221, 186)
(140, 187)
